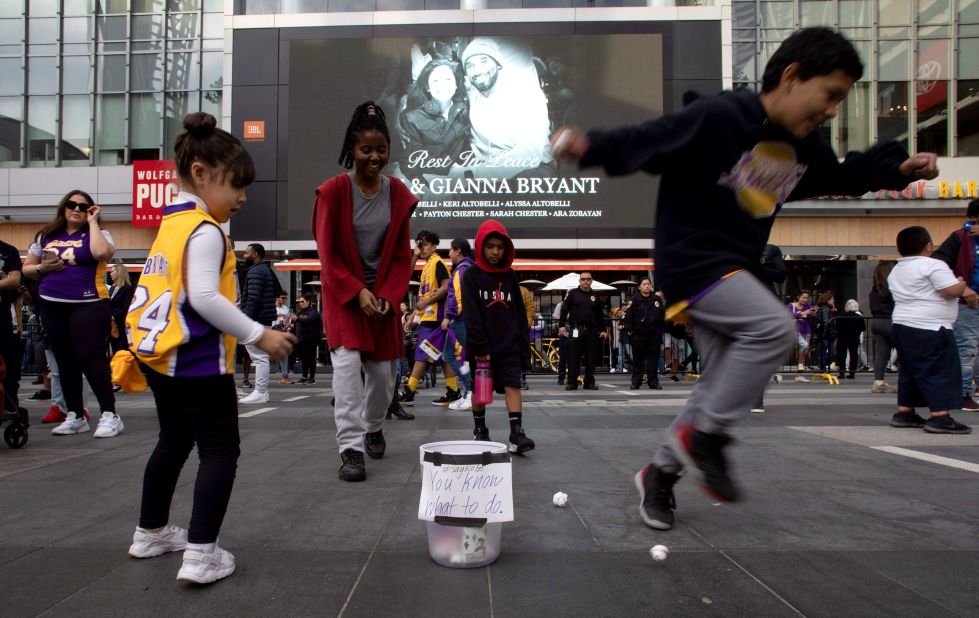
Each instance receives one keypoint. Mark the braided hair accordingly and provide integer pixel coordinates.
(367, 117)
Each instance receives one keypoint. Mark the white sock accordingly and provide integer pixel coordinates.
(206, 548)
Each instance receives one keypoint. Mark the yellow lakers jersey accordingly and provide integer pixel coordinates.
(163, 329)
(430, 285)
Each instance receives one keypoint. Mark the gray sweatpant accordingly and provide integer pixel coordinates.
(360, 405)
(743, 333)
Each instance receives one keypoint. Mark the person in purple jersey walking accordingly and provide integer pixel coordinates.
(68, 256)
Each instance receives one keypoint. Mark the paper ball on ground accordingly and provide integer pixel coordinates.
(560, 499)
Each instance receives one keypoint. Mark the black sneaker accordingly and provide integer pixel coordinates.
(352, 468)
(374, 444)
(945, 424)
(702, 455)
(674, 378)
(481, 434)
(524, 386)
(906, 419)
(449, 396)
(246, 384)
(656, 499)
(407, 398)
(591, 387)
(519, 442)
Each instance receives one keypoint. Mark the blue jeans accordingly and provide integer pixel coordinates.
(449, 354)
(623, 350)
(967, 339)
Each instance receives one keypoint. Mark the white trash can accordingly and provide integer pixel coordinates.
(459, 537)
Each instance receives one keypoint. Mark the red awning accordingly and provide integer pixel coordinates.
(616, 264)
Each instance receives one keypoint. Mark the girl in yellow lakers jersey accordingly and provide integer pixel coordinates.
(182, 326)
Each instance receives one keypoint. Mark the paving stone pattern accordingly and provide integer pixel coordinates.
(830, 525)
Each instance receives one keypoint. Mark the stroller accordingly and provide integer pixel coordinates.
(15, 435)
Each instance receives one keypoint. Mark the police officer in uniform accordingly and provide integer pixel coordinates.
(644, 323)
(583, 320)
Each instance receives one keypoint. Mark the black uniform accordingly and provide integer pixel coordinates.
(582, 312)
(644, 321)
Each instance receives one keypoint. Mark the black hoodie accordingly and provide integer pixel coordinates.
(726, 171)
(495, 318)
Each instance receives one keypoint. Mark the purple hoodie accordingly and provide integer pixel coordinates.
(452, 308)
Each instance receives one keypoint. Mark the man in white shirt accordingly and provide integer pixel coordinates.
(925, 296)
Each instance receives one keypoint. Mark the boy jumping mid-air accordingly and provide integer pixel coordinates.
(748, 154)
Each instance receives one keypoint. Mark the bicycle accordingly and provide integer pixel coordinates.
(549, 356)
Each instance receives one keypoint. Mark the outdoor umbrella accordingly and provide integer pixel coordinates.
(531, 282)
(570, 282)
(623, 282)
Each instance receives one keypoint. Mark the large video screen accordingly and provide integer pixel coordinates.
(470, 121)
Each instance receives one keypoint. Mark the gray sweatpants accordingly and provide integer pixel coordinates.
(360, 405)
(743, 333)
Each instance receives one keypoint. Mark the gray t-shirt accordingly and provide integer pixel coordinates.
(371, 215)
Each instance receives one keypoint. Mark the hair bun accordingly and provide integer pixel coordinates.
(200, 124)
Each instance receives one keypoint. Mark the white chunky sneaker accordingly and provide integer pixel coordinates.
(201, 567)
(463, 403)
(71, 425)
(147, 544)
(110, 425)
(801, 378)
(255, 397)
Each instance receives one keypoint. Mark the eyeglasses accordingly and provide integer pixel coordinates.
(80, 206)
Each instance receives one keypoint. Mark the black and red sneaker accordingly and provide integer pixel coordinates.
(702, 455)
(656, 499)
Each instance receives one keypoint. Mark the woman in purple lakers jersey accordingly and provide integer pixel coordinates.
(69, 256)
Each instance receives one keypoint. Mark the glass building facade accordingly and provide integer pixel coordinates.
(921, 67)
(104, 82)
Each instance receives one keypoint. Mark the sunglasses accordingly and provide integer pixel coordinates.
(585, 279)
(80, 206)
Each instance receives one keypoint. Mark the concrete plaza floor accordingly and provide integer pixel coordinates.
(843, 515)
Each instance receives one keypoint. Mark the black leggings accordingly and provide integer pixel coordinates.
(78, 334)
(201, 410)
(306, 351)
(10, 351)
(851, 345)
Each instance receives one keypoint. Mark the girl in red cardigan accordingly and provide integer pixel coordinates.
(360, 223)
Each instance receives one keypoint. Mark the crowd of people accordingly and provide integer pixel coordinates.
(186, 317)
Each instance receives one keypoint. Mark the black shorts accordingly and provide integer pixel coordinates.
(506, 372)
(929, 373)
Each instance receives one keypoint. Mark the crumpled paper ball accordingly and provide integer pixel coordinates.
(560, 499)
(659, 552)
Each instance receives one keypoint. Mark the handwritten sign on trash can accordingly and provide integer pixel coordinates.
(459, 487)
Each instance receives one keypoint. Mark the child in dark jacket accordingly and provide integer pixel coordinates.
(747, 154)
(496, 328)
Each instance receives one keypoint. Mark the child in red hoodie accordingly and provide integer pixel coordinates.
(496, 327)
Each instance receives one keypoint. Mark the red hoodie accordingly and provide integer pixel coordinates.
(495, 318)
(343, 277)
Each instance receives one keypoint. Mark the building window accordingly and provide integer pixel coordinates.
(144, 122)
(931, 99)
(76, 128)
(42, 126)
(111, 137)
(894, 60)
(895, 12)
(11, 118)
(967, 121)
(855, 117)
(892, 112)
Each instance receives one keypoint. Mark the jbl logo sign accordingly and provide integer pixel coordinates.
(254, 129)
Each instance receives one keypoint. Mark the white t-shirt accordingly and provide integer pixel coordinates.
(914, 285)
(282, 315)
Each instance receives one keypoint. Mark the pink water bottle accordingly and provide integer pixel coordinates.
(483, 386)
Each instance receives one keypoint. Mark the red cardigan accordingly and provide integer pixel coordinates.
(343, 277)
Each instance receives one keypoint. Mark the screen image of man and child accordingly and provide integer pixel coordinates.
(478, 109)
